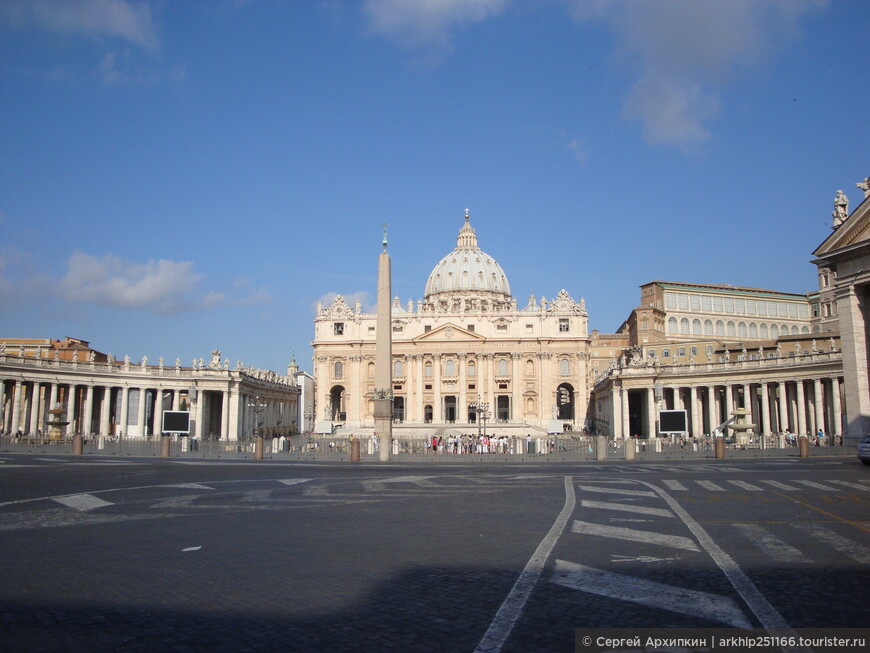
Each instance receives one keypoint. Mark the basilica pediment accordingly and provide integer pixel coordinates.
(449, 332)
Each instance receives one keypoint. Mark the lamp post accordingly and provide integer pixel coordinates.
(257, 407)
(481, 408)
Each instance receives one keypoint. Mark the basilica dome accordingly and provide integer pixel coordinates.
(468, 271)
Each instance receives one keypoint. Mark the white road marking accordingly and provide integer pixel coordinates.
(512, 607)
(853, 485)
(82, 502)
(818, 486)
(191, 548)
(743, 485)
(675, 485)
(649, 593)
(620, 558)
(616, 490)
(857, 552)
(634, 535)
(710, 485)
(641, 510)
(760, 606)
(781, 486)
(190, 486)
(769, 544)
(293, 481)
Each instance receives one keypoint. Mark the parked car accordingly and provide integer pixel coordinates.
(864, 450)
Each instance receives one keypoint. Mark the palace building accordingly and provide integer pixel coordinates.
(465, 345)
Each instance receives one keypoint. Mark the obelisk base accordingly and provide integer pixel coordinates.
(384, 427)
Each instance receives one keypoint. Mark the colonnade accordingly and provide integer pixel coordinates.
(800, 405)
(135, 410)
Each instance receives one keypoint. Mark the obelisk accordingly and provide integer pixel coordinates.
(383, 396)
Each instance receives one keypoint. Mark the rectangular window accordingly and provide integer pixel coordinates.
(471, 327)
(693, 351)
(371, 329)
(739, 306)
(683, 301)
(695, 302)
(501, 327)
(708, 350)
(792, 310)
(707, 303)
(729, 304)
(803, 311)
(398, 329)
(666, 353)
(530, 328)
(563, 325)
(338, 328)
(670, 300)
(681, 352)
(717, 304)
(750, 307)
(427, 328)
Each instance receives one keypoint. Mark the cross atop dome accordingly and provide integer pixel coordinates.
(467, 237)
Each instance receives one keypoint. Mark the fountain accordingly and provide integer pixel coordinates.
(741, 427)
(57, 422)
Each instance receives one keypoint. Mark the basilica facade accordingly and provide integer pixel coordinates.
(465, 352)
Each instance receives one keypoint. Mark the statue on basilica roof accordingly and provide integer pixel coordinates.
(841, 209)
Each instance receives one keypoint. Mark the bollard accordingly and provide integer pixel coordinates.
(630, 448)
(354, 450)
(601, 447)
(78, 446)
(165, 445)
(258, 448)
(719, 447)
(804, 446)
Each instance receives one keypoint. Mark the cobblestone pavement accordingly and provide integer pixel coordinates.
(145, 555)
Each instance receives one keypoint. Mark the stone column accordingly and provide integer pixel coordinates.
(176, 400)
(836, 409)
(765, 409)
(88, 412)
(419, 366)
(140, 416)
(819, 405)
(2, 405)
(712, 415)
(801, 408)
(651, 415)
(729, 401)
(225, 414)
(52, 396)
(853, 341)
(200, 413)
(234, 413)
(616, 422)
(16, 408)
(517, 409)
(782, 395)
(121, 421)
(696, 412)
(462, 407)
(34, 407)
(105, 410)
(626, 424)
(437, 412)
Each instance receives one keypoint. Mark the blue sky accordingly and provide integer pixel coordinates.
(181, 176)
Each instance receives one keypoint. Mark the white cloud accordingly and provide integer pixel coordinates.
(426, 23)
(685, 50)
(97, 19)
(163, 286)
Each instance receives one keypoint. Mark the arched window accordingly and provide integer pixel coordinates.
(338, 370)
(684, 325)
(763, 331)
(564, 367)
(696, 327)
(530, 368)
(774, 331)
(472, 369)
(450, 367)
(398, 370)
(370, 371)
(672, 325)
(741, 329)
(731, 330)
(720, 328)
(708, 327)
(753, 330)
(427, 370)
(794, 330)
(502, 367)
(783, 329)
